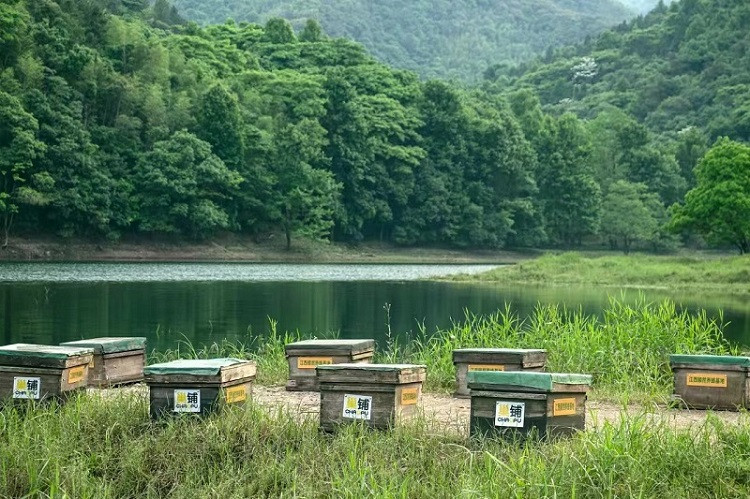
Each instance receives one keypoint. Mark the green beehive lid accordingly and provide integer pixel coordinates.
(526, 380)
(109, 344)
(720, 360)
(25, 354)
(195, 367)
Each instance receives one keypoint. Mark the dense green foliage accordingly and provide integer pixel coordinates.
(719, 206)
(102, 447)
(433, 38)
(121, 119)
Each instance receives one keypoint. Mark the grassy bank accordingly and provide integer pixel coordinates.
(626, 349)
(727, 274)
(106, 447)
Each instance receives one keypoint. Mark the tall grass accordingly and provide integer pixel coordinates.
(627, 349)
(107, 447)
(727, 274)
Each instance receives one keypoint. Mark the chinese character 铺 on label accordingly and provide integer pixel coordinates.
(187, 401)
(357, 407)
(27, 388)
(509, 414)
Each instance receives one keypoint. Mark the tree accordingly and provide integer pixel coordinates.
(719, 205)
(279, 31)
(628, 214)
(312, 32)
(182, 188)
(220, 124)
(19, 148)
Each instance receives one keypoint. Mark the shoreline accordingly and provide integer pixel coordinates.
(244, 250)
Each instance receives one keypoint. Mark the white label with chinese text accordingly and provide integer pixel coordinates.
(187, 401)
(357, 407)
(27, 388)
(509, 414)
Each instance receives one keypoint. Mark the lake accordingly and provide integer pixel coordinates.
(51, 303)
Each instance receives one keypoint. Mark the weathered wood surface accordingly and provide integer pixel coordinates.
(372, 373)
(462, 369)
(117, 368)
(225, 375)
(305, 378)
(212, 397)
(526, 358)
(391, 404)
(329, 347)
(45, 356)
(728, 389)
(54, 383)
(542, 418)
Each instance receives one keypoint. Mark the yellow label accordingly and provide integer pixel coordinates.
(182, 397)
(486, 367)
(76, 374)
(564, 407)
(21, 383)
(313, 362)
(235, 394)
(707, 379)
(409, 396)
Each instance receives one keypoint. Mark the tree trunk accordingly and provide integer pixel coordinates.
(7, 222)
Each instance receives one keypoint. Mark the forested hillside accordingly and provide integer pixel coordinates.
(643, 6)
(435, 38)
(117, 119)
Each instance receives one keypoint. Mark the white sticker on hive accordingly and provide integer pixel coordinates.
(27, 388)
(357, 407)
(187, 401)
(509, 414)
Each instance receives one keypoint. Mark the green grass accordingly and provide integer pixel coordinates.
(727, 274)
(101, 447)
(627, 349)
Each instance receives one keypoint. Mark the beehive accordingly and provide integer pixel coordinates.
(378, 395)
(305, 356)
(40, 372)
(197, 386)
(711, 381)
(494, 359)
(517, 404)
(116, 360)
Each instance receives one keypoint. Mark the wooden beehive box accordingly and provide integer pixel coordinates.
(40, 372)
(711, 381)
(494, 359)
(378, 395)
(516, 404)
(116, 360)
(305, 356)
(197, 386)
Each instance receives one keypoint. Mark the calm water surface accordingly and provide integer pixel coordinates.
(51, 303)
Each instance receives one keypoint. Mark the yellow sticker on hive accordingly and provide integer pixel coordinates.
(710, 380)
(409, 396)
(235, 394)
(27, 388)
(564, 407)
(486, 367)
(313, 362)
(76, 374)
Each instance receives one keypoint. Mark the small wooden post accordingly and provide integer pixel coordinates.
(711, 381)
(305, 356)
(377, 395)
(197, 386)
(116, 360)
(469, 360)
(41, 372)
(516, 404)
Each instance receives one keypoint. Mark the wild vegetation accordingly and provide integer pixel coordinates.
(719, 274)
(437, 39)
(121, 120)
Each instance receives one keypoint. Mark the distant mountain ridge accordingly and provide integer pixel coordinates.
(438, 38)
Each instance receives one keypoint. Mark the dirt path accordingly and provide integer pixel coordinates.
(452, 414)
